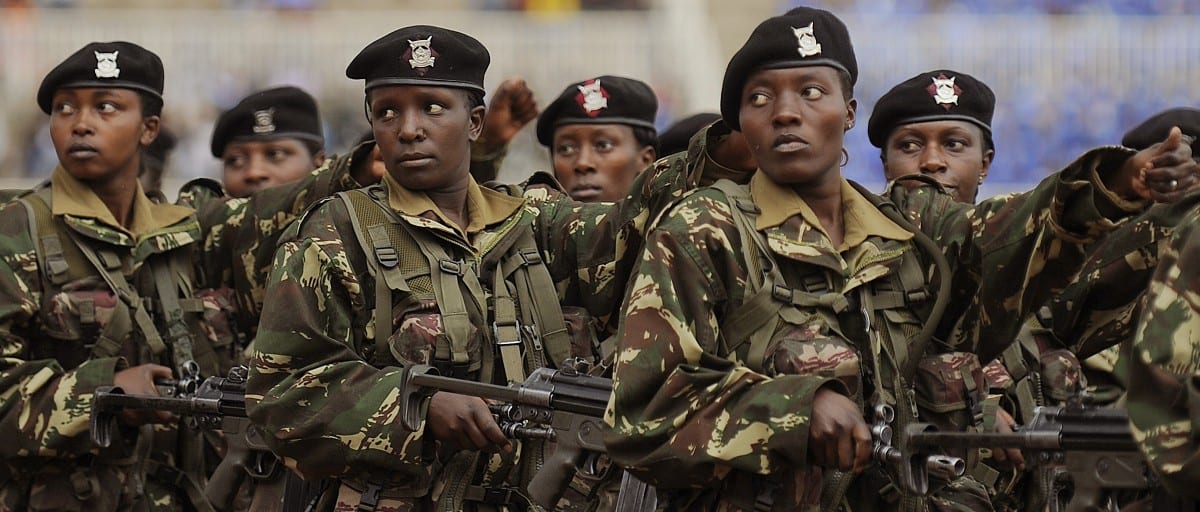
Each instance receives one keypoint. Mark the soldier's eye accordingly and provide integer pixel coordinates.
(812, 93)
(956, 144)
(386, 114)
(909, 146)
(276, 154)
(436, 108)
(604, 145)
(64, 108)
(235, 162)
(757, 99)
(565, 150)
(106, 108)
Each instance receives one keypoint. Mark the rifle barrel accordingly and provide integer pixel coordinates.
(579, 395)
(1110, 440)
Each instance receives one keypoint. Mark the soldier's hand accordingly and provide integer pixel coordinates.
(512, 108)
(1165, 171)
(139, 380)
(465, 421)
(838, 437)
(1004, 425)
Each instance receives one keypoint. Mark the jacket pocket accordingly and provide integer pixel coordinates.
(949, 390)
(808, 350)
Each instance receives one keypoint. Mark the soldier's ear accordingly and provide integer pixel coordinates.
(476, 122)
(851, 109)
(150, 127)
(987, 164)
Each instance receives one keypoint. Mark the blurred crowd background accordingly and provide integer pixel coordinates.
(1068, 74)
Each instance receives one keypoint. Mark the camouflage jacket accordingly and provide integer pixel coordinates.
(1164, 388)
(330, 399)
(48, 374)
(692, 418)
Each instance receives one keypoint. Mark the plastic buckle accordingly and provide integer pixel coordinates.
(451, 266)
(530, 257)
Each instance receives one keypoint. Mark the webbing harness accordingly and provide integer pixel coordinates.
(415, 262)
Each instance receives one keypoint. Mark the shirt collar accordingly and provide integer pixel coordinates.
(75, 198)
(862, 219)
(485, 207)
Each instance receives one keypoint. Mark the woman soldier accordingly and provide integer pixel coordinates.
(431, 268)
(100, 288)
(766, 319)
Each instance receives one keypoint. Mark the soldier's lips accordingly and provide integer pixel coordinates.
(414, 160)
(82, 151)
(588, 192)
(789, 143)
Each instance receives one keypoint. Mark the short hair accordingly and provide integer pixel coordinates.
(151, 105)
(645, 137)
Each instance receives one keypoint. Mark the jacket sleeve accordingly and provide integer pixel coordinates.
(1011, 254)
(44, 410)
(681, 415)
(327, 411)
(1164, 388)
(240, 235)
(591, 248)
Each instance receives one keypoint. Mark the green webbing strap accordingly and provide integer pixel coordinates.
(109, 343)
(446, 276)
(108, 265)
(749, 321)
(374, 241)
(536, 290)
(172, 312)
(43, 231)
(507, 331)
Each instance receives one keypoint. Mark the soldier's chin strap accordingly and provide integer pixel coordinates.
(942, 299)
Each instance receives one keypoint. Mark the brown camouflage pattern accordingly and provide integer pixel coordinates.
(332, 405)
(1164, 388)
(691, 418)
(45, 399)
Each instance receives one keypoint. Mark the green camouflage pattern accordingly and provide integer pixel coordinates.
(330, 399)
(690, 417)
(48, 378)
(1164, 388)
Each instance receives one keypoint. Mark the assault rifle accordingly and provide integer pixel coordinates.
(564, 406)
(1093, 447)
(216, 403)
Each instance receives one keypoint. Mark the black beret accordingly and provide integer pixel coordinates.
(422, 55)
(600, 100)
(282, 112)
(1155, 129)
(116, 64)
(676, 137)
(938, 95)
(802, 37)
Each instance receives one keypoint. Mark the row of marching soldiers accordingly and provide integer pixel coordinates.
(751, 305)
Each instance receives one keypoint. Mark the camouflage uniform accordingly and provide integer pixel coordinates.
(49, 327)
(689, 415)
(1164, 397)
(327, 388)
